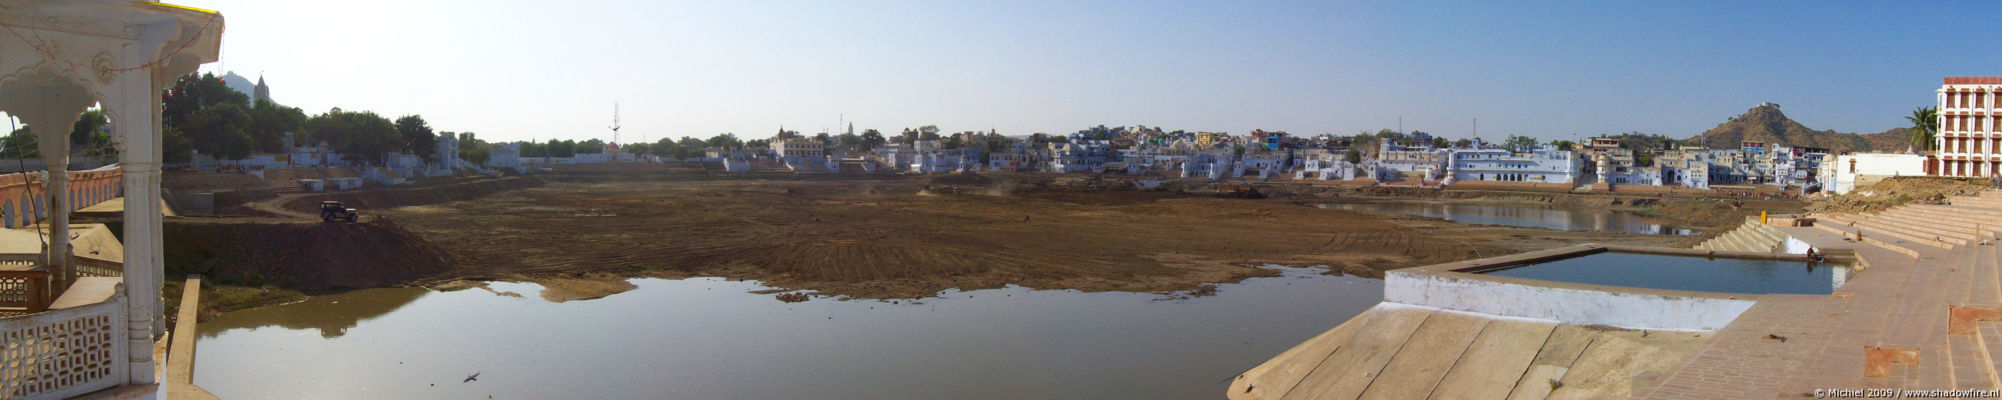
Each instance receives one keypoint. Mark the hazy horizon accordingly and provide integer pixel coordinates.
(512, 70)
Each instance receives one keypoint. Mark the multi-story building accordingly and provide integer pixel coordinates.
(1420, 161)
(1619, 167)
(1080, 155)
(1544, 165)
(798, 147)
(1968, 142)
(1211, 164)
(1600, 145)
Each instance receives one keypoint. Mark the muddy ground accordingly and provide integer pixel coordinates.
(869, 237)
(913, 238)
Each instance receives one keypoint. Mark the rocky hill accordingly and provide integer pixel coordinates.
(1766, 124)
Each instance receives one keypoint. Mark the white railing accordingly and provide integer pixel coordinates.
(64, 353)
(86, 266)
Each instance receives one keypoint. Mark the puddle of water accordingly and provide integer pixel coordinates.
(1728, 275)
(711, 338)
(1569, 219)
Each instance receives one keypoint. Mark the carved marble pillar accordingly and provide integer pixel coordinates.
(50, 102)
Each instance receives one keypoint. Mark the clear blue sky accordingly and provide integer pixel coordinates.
(512, 70)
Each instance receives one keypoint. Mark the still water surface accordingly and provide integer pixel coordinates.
(1570, 219)
(710, 338)
(1728, 275)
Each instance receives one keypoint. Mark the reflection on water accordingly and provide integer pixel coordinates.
(1569, 219)
(331, 315)
(709, 338)
(1728, 275)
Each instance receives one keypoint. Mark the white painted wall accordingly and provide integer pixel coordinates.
(1574, 306)
(1869, 167)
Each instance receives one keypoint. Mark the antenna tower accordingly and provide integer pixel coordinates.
(615, 122)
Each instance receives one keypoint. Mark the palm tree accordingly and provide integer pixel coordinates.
(1925, 123)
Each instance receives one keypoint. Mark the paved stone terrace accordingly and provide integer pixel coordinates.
(1888, 327)
(1924, 311)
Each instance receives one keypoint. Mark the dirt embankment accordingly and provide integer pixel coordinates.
(397, 197)
(1893, 192)
(311, 257)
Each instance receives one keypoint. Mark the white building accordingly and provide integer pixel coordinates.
(798, 147)
(1543, 165)
(1080, 155)
(506, 155)
(1326, 167)
(1215, 164)
(1394, 162)
(1851, 171)
(448, 151)
(1967, 142)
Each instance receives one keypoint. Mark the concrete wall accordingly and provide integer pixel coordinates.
(1870, 168)
(1570, 305)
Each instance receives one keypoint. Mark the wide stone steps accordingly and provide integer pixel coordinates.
(1750, 237)
(1916, 231)
(1879, 233)
(1959, 222)
(1964, 218)
(1920, 226)
(1988, 340)
(1962, 226)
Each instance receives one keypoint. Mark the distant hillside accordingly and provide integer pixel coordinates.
(1766, 124)
(239, 83)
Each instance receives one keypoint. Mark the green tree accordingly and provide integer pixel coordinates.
(1925, 124)
(726, 140)
(87, 135)
(1519, 143)
(823, 138)
(692, 147)
(532, 149)
(1353, 156)
(593, 146)
(849, 140)
(871, 139)
(222, 130)
(359, 136)
(1565, 145)
(174, 146)
(637, 148)
(1463, 143)
(419, 139)
(1440, 142)
(560, 148)
(476, 155)
(269, 122)
(758, 144)
(22, 144)
(928, 132)
(666, 147)
(191, 94)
